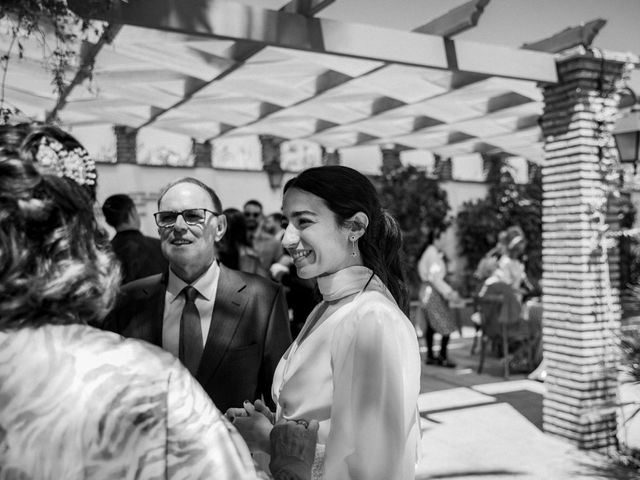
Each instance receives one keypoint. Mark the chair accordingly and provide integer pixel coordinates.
(496, 326)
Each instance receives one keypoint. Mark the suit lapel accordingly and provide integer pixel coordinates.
(150, 325)
(227, 312)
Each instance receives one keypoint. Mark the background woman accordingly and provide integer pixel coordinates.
(433, 270)
(355, 366)
(234, 249)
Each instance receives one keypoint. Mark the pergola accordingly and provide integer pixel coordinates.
(220, 69)
(213, 69)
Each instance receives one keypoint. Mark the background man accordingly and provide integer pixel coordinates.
(228, 328)
(266, 246)
(139, 255)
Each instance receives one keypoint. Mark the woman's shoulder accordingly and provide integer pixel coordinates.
(108, 351)
(373, 308)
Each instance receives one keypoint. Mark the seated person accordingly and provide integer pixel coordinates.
(506, 283)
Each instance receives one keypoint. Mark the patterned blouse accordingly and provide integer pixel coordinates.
(81, 403)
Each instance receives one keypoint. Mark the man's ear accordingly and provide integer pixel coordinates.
(221, 227)
(358, 223)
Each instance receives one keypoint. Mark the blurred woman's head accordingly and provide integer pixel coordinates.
(55, 265)
(515, 242)
(228, 247)
(336, 220)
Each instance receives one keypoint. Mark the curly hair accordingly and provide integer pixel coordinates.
(346, 191)
(55, 262)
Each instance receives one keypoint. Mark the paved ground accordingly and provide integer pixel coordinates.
(483, 427)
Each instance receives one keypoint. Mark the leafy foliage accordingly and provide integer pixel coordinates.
(25, 20)
(419, 205)
(506, 203)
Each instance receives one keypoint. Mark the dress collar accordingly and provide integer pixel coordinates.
(344, 282)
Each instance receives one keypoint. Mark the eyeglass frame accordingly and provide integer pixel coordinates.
(181, 214)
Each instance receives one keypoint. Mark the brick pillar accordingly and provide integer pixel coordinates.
(271, 159)
(330, 157)
(202, 152)
(390, 158)
(126, 151)
(580, 291)
(442, 168)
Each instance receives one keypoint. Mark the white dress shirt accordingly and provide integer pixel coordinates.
(207, 286)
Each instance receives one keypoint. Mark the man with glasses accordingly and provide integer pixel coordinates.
(228, 328)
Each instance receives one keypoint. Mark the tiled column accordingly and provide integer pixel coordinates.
(443, 168)
(271, 159)
(125, 144)
(390, 157)
(202, 154)
(580, 290)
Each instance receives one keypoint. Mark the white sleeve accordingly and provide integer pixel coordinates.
(201, 443)
(374, 400)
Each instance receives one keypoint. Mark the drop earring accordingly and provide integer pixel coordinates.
(354, 251)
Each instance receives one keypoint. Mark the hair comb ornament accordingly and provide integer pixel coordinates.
(52, 157)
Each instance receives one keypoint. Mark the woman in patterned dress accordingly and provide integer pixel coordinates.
(355, 366)
(77, 402)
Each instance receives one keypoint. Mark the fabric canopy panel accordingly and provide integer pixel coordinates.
(234, 78)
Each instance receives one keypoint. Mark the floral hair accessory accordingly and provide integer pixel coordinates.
(76, 164)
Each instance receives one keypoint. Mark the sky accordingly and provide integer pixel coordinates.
(503, 22)
(507, 22)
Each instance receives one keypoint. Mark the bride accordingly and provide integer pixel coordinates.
(355, 366)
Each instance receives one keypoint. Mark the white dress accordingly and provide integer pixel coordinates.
(358, 374)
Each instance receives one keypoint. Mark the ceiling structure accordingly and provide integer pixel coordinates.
(217, 69)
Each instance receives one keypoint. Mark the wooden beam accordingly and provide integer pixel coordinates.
(308, 8)
(234, 21)
(582, 34)
(183, 10)
(456, 20)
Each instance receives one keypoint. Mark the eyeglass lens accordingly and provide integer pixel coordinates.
(193, 216)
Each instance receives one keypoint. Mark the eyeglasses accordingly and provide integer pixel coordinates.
(191, 216)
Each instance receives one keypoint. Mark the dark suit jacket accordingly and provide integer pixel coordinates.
(139, 255)
(248, 335)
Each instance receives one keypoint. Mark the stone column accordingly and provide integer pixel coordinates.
(126, 150)
(330, 157)
(580, 285)
(442, 168)
(271, 159)
(202, 153)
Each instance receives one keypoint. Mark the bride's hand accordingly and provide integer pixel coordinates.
(263, 409)
(254, 426)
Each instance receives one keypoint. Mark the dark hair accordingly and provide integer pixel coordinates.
(117, 208)
(51, 150)
(56, 266)
(277, 216)
(234, 237)
(217, 204)
(346, 191)
(253, 201)
(432, 236)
